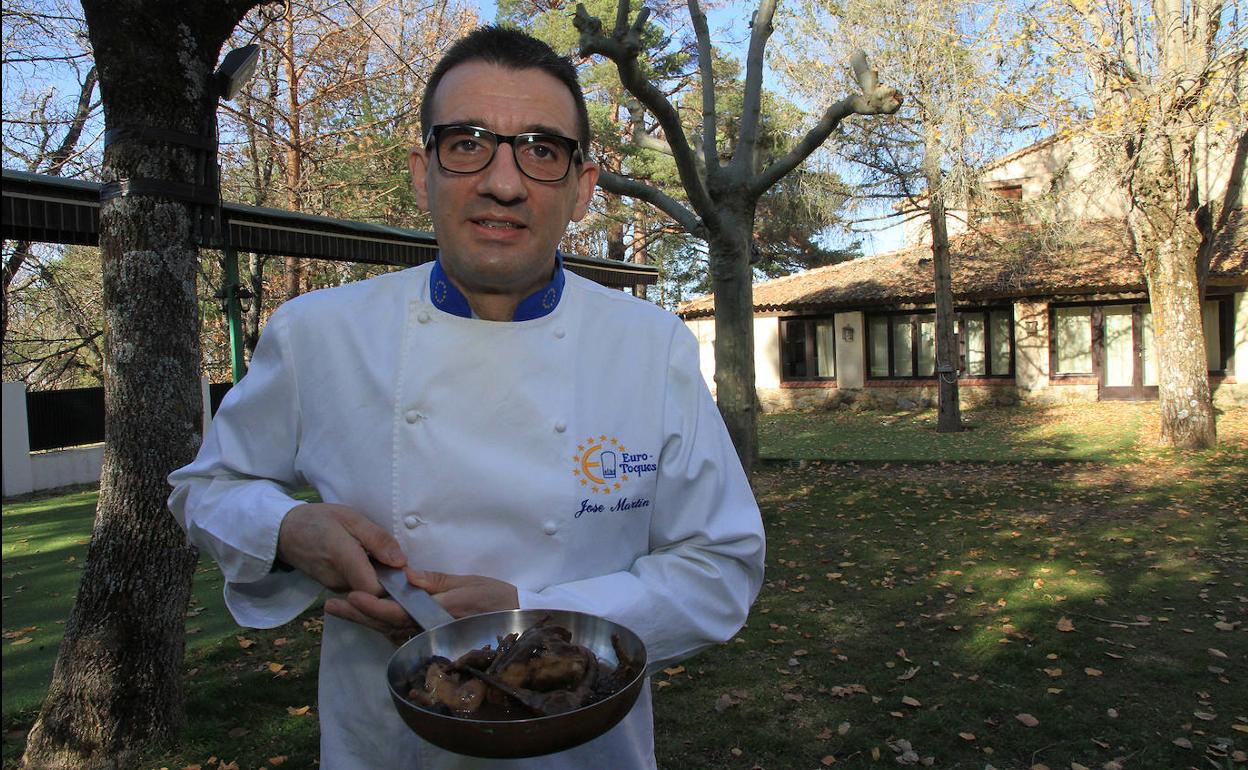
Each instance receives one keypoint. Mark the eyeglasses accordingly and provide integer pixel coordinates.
(464, 149)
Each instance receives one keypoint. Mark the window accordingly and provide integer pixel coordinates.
(902, 345)
(1218, 318)
(987, 342)
(1072, 337)
(807, 349)
(1119, 337)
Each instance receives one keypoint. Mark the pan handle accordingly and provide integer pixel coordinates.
(416, 601)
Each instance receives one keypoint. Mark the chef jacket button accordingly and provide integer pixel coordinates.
(411, 521)
(560, 426)
(550, 527)
(559, 334)
(412, 416)
(423, 317)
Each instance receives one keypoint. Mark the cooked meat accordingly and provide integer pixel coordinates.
(443, 685)
(540, 669)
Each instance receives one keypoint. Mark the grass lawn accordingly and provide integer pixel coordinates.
(995, 611)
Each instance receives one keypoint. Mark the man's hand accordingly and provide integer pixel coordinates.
(464, 595)
(332, 544)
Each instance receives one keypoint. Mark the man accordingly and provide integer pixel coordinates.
(511, 434)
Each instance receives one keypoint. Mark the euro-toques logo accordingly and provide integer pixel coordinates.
(603, 464)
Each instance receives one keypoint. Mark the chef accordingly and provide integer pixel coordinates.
(511, 434)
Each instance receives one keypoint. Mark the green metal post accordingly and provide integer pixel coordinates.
(234, 314)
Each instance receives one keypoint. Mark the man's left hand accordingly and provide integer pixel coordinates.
(464, 595)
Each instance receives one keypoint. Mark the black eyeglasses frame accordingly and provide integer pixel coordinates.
(435, 132)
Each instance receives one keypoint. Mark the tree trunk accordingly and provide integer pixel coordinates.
(117, 682)
(639, 249)
(949, 413)
(734, 337)
(294, 152)
(1187, 419)
(251, 317)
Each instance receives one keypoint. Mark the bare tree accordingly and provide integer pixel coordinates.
(722, 197)
(117, 682)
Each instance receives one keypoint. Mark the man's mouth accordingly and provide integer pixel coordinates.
(498, 224)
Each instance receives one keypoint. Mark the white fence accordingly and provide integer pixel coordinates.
(26, 471)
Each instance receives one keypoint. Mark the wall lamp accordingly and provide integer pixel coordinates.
(236, 69)
(847, 333)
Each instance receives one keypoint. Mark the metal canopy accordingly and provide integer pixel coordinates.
(49, 209)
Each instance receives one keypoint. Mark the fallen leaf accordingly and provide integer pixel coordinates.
(1182, 743)
(967, 736)
(1216, 653)
(1092, 671)
(1065, 624)
(1027, 719)
(1077, 766)
(297, 712)
(1053, 672)
(842, 728)
(23, 640)
(828, 761)
(279, 759)
(1240, 728)
(1204, 715)
(244, 642)
(1112, 713)
(674, 670)
(735, 751)
(276, 667)
(907, 700)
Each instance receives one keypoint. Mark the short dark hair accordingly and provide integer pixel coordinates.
(515, 50)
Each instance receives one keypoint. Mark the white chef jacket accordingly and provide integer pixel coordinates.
(577, 455)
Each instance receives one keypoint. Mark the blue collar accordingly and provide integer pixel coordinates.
(447, 298)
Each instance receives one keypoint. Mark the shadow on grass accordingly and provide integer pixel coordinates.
(923, 603)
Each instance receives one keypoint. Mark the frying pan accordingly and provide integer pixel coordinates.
(450, 638)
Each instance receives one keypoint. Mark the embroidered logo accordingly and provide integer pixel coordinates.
(602, 464)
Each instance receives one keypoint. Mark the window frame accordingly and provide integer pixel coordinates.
(985, 310)
(1226, 330)
(810, 351)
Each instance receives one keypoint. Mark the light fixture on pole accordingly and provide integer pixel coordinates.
(236, 69)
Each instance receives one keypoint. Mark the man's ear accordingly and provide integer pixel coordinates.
(586, 180)
(417, 166)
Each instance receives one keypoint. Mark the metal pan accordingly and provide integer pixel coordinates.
(513, 738)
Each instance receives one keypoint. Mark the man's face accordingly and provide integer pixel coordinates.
(497, 229)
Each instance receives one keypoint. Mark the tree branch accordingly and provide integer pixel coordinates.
(710, 128)
(623, 47)
(622, 185)
(874, 100)
(65, 151)
(751, 104)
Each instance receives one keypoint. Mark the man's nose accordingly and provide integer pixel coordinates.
(502, 178)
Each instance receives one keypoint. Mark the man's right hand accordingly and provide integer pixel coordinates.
(332, 543)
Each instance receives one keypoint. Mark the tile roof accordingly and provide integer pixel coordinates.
(1005, 261)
